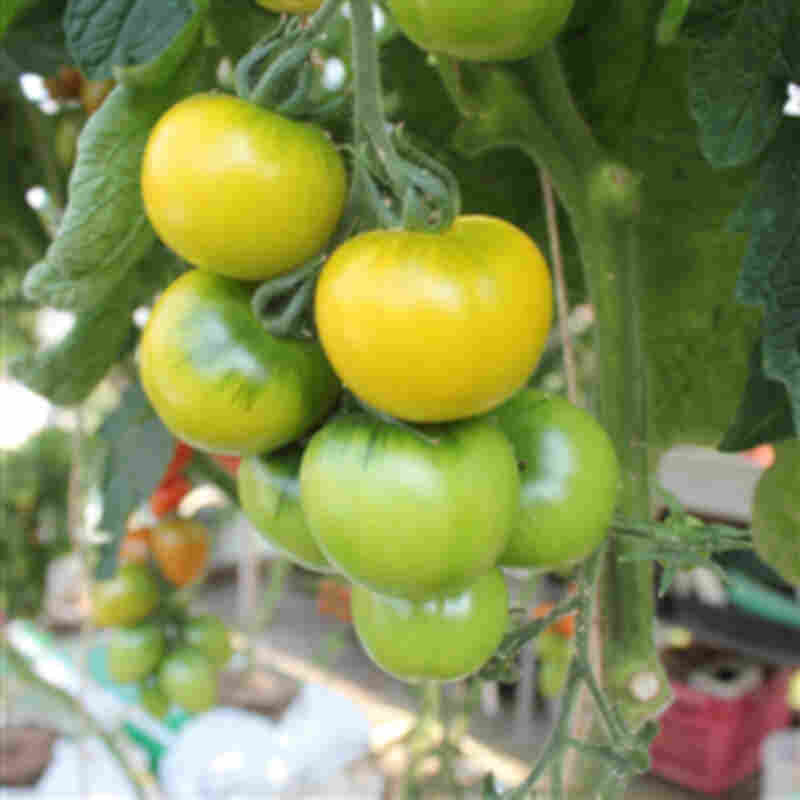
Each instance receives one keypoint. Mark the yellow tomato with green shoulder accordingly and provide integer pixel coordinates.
(432, 327)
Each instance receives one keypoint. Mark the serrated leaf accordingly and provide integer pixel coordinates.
(239, 24)
(9, 10)
(105, 231)
(138, 449)
(35, 42)
(771, 270)
(738, 78)
(765, 413)
(102, 34)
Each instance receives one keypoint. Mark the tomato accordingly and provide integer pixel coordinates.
(442, 638)
(210, 636)
(291, 6)
(473, 30)
(127, 597)
(239, 190)
(269, 493)
(180, 548)
(167, 496)
(563, 627)
(135, 546)
(551, 677)
(433, 327)
(188, 679)
(407, 515)
(218, 380)
(133, 653)
(776, 513)
(154, 701)
(569, 476)
(334, 599)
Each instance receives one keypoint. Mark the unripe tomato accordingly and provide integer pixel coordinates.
(188, 679)
(133, 653)
(154, 701)
(180, 548)
(569, 475)
(210, 636)
(433, 327)
(218, 380)
(776, 513)
(126, 598)
(474, 31)
(239, 190)
(443, 638)
(269, 493)
(291, 6)
(407, 515)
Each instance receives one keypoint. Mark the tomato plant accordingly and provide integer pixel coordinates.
(269, 493)
(125, 598)
(218, 380)
(188, 679)
(240, 191)
(133, 653)
(569, 475)
(441, 638)
(406, 513)
(210, 636)
(180, 549)
(457, 319)
(473, 31)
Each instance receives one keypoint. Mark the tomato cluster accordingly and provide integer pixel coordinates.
(451, 470)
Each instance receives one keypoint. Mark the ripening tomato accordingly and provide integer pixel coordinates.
(432, 327)
(569, 475)
(218, 380)
(135, 546)
(127, 597)
(443, 638)
(291, 6)
(269, 493)
(188, 679)
(133, 653)
(408, 513)
(180, 548)
(238, 190)
(210, 636)
(473, 31)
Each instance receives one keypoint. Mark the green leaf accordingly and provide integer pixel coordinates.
(35, 42)
(9, 10)
(103, 34)
(138, 449)
(67, 372)
(771, 270)
(105, 231)
(765, 413)
(239, 24)
(739, 71)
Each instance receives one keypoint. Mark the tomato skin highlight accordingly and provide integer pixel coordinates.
(219, 381)
(125, 598)
(569, 480)
(473, 31)
(269, 494)
(432, 327)
(133, 653)
(239, 190)
(404, 515)
(443, 638)
(188, 679)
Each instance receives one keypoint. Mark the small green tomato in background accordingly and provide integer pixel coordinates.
(133, 653)
(444, 638)
(210, 636)
(188, 679)
(154, 701)
(569, 475)
(127, 597)
(475, 30)
(269, 493)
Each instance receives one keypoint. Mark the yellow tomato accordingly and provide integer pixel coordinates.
(432, 327)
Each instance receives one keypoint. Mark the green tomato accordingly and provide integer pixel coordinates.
(552, 646)
(133, 653)
(219, 381)
(154, 701)
(239, 190)
(407, 513)
(776, 513)
(188, 679)
(473, 30)
(269, 493)
(210, 636)
(129, 596)
(443, 638)
(569, 474)
(551, 677)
